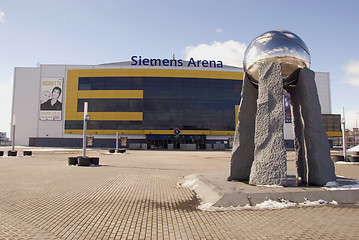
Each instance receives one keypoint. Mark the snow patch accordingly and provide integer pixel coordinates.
(206, 206)
(191, 184)
(108, 153)
(270, 204)
(335, 186)
(270, 186)
(348, 163)
(266, 205)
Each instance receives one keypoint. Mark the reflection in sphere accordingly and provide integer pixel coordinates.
(278, 46)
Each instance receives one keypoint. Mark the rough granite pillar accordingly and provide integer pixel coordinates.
(270, 162)
(301, 164)
(243, 145)
(320, 166)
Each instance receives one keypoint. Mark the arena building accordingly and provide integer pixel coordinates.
(149, 103)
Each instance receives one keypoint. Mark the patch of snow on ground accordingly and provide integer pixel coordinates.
(108, 153)
(269, 186)
(191, 184)
(206, 207)
(348, 163)
(313, 203)
(17, 156)
(266, 205)
(335, 186)
(270, 204)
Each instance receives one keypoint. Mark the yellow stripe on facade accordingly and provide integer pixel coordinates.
(107, 116)
(183, 132)
(120, 94)
(143, 132)
(109, 132)
(336, 134)
(131, 72)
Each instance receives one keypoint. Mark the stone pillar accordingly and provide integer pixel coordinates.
(243, 144)
(270, 160)
(320, 167)
(301, 164)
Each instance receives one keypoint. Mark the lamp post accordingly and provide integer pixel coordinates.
(356, 135)
(13, 133)
(344, 139)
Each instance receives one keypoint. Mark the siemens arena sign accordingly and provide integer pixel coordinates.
(138, 60)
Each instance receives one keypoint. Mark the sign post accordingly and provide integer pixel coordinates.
(86, 117)
(117, 142)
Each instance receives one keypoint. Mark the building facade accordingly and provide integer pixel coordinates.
(150, 103)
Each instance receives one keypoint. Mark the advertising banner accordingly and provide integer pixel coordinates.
(287, 111)
(89, 141)
(123, 141)
(51, 99)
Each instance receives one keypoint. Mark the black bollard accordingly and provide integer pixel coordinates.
(12, 153)
(81, 161)
(27, 153)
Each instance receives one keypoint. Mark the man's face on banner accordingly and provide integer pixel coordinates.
(55, 94)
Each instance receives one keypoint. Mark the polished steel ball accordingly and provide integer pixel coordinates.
(277, 46)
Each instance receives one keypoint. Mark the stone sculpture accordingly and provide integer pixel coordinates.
(278, 61)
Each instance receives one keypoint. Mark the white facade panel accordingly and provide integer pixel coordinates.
(53, 71)
(69, 67)
(26, 104)
(50, 129)
(322, 81)
(288, 131)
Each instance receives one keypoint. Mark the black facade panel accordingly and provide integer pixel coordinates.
(110, 83)
(110, 105)
(104, 125)
(77, 142)
(168, 103)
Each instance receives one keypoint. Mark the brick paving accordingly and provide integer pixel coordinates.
(136, 196)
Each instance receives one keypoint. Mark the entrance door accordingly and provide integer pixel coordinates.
(159, 143)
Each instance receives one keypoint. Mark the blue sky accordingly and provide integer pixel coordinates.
(103, 31)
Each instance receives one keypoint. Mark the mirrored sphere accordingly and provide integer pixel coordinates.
(279, 46)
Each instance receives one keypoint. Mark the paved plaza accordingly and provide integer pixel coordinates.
(136, 195)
